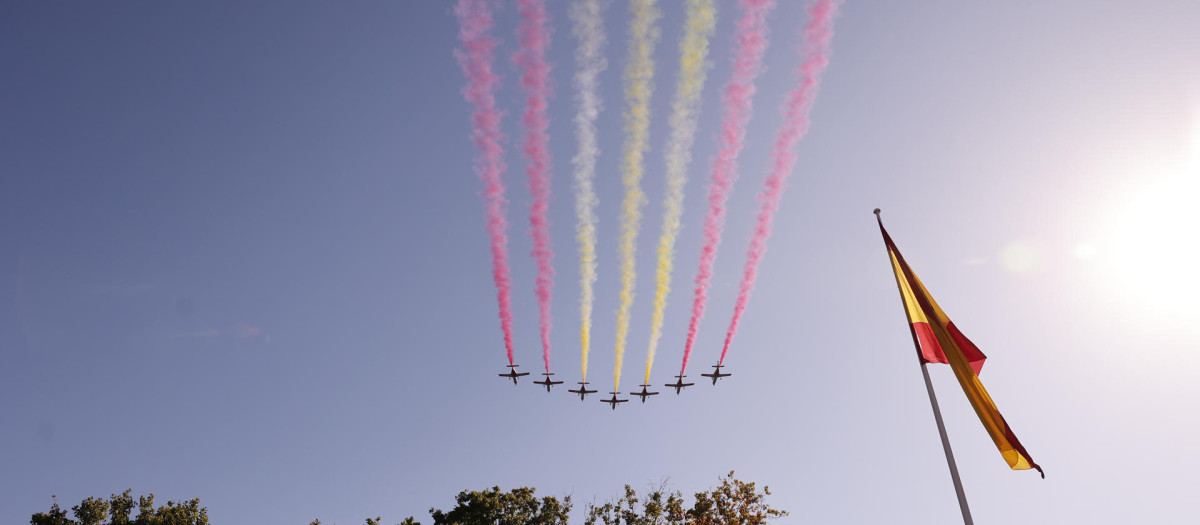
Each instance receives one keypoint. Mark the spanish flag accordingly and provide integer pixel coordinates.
(941, 342)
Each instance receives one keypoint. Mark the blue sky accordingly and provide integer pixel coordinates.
(243, 259)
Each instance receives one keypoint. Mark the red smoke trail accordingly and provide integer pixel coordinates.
(796, 109)
(534, 38)
(475, 56)
(751, 41)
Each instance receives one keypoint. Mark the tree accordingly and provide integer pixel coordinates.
(115, 511)
(379, 521)
(659, 508)
(493, 507)
(56, 516)
(734, 502)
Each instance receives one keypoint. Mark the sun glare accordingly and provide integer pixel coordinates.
(1195, 167)
(1155, 248)
(1019, 256)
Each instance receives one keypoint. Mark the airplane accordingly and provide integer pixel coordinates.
(613, 401)
(716, 373)
(643, 394)
(583, 391)
(547, 382)
(513, 374)
(679, 385)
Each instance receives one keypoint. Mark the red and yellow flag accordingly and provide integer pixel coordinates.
(941, 342)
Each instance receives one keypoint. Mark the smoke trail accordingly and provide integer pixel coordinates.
(588, 17)
(693, 69)
(534, 37)
(639, 73)
(475, 55)
(751, 42)
(796, 109)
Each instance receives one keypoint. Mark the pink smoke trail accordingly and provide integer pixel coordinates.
(534, 38)
(751, 42)
(475, 56)
(796, 109)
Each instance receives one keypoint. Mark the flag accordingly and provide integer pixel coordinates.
(941, 342)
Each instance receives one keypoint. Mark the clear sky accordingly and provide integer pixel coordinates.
(242, 258)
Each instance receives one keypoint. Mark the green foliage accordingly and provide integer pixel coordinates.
(379, 521)
(659, 508)
(733, 502)
(115, 511)
(493, 507)
(56, 516)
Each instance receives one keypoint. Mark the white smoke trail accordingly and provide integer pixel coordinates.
(588, 19)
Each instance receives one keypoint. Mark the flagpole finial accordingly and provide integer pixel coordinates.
(876, 211)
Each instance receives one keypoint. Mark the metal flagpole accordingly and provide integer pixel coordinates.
(937, 412)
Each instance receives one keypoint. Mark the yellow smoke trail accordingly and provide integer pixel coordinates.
(693, 69)
(588, 16)
(639, 74)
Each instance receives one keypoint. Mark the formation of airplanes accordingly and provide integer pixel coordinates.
(583, 391)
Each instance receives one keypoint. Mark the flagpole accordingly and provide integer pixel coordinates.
(937, 412)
